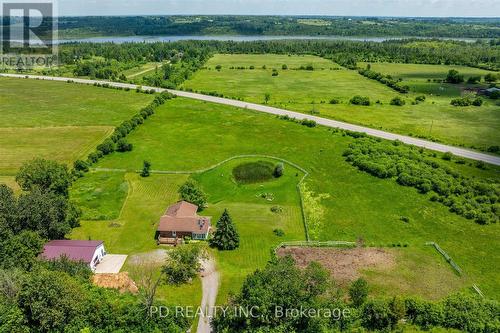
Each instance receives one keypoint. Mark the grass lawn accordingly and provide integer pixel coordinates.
(36, 103)
(63, 144)
(252, 215)
(310, 91)
(134, 230)
(57, 120)
(192, 135)
(100, 195)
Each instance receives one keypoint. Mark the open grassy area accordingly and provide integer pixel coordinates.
(100, 195)
(311, 91)
(59, 121)
(192, 135)
(36, 103)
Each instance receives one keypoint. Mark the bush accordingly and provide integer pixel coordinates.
(80, 165)
(358, 292)
(276, 209)
(284, 67)
(420, 98)
(308, 123)
(477, 101)
(279, 170)
(474, 79)
(183, 264)
(279, 232)
(334, 101)
(360, 100)
(398, 101)
(454, 77)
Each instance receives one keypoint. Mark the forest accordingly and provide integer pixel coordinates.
(278, 25)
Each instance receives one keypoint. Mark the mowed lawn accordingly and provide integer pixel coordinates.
(57, 120)
(192, 135)
(311, 91)
(250, 208)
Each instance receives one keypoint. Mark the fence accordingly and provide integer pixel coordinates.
(316, 244)
(447, 257)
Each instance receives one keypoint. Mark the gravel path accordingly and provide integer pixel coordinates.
(210, 287)
(474, 155)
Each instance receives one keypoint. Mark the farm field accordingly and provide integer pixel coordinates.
(352, 204)
(311, 91)
(59, 121)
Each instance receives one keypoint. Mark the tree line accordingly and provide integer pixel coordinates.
(279, 25)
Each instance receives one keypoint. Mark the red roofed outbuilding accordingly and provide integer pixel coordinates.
(89, 252)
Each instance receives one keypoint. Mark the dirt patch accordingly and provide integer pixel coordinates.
(345, 265)
(120, 281)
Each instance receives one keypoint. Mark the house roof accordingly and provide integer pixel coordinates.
(78, 250)
(182, 209)
(182, 217)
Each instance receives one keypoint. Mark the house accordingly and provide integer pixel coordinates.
(179, 221)
(89, 252)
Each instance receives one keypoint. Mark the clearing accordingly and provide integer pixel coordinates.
(55, 120)
(433, 119)
(348, 204)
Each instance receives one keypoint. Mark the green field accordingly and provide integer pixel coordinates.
(311, 91)
(59, 121)
(186, 135)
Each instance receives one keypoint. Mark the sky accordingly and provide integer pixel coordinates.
(434, 8)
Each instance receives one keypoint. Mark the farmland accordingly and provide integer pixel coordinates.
(354, 204)
(310, 91)
(58, 121)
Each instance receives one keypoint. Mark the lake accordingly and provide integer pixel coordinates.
(151, 39)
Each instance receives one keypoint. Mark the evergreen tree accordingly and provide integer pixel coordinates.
(225, 237)
(146, 169)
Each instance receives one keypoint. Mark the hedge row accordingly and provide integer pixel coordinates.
(304, 122)
(385, 79)
(408, 166)
(117, 141)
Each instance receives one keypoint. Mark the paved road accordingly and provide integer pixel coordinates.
(210, 287)
(474, 155)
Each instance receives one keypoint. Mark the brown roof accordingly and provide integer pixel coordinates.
(182, 217)
(182, 209)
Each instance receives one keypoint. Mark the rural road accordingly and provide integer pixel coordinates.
(461, 152)
(210, 287)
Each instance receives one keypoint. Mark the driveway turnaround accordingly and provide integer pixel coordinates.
(461, 152)
(111, 264)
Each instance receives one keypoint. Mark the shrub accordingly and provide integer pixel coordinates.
(454, 77)
(474, 79)
(334, 101)
(276, 209)
(398, 101)
(490, 77)
(358, 292)
(447, 156)
(279, 232)
(218, 67)
(284, 67)
(360, 100)
(80, 165)
(477, 101)
(278, 170)
(308, 123)
(420, 98)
